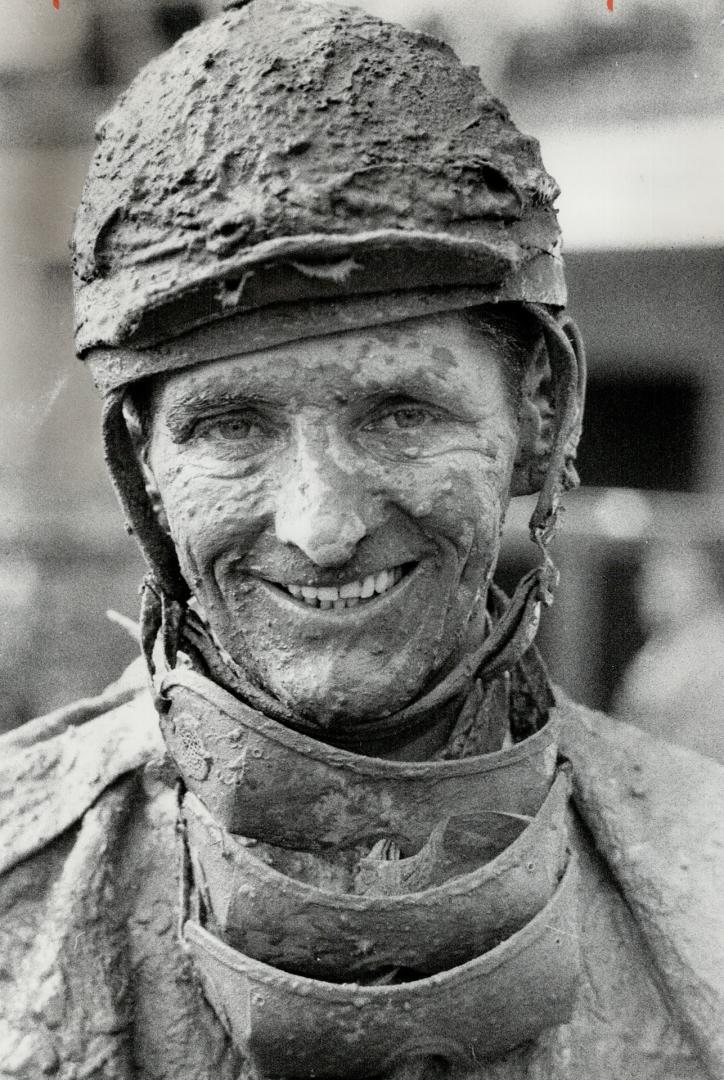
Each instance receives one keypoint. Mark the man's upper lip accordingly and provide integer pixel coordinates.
(399, 542)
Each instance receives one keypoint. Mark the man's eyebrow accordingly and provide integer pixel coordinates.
(186, 406)
(423, 385)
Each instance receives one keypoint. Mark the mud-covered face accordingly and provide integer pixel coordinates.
(336, 505)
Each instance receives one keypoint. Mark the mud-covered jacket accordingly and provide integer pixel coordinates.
(93, 982)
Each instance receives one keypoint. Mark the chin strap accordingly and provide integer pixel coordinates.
(567, 357)
(168, 627)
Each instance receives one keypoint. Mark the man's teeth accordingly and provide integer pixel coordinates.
(349, 594)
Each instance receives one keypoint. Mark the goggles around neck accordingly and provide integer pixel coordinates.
(422, 914)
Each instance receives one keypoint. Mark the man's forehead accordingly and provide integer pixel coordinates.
(420, 354)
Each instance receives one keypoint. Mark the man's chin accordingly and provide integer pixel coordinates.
(335, 665)
(336, 661)
(334, 696)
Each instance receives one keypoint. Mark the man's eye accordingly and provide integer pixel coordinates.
(233, 427)
(403, 418)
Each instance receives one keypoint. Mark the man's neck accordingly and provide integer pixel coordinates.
(424, 744)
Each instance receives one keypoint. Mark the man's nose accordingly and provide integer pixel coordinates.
(319, 508)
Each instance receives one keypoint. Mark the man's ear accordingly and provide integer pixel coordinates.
(537, 425)
(140, 438)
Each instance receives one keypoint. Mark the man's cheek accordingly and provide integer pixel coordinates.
(460, 507)
(209, 518)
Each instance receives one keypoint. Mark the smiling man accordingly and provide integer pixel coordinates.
(319, 284)
(338, 502)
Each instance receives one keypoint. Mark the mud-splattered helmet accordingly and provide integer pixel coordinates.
(290, 151)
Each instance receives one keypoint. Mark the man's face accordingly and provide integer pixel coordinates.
(336, 505)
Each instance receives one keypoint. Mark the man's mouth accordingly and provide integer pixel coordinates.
(350, 593)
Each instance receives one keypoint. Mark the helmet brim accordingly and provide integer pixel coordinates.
(150, 308)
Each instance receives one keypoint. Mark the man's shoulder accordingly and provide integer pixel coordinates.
(624, 774)
(54, 768)
(656, 814)
(95, 979)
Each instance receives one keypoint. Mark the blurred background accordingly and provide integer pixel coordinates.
(629, 108)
